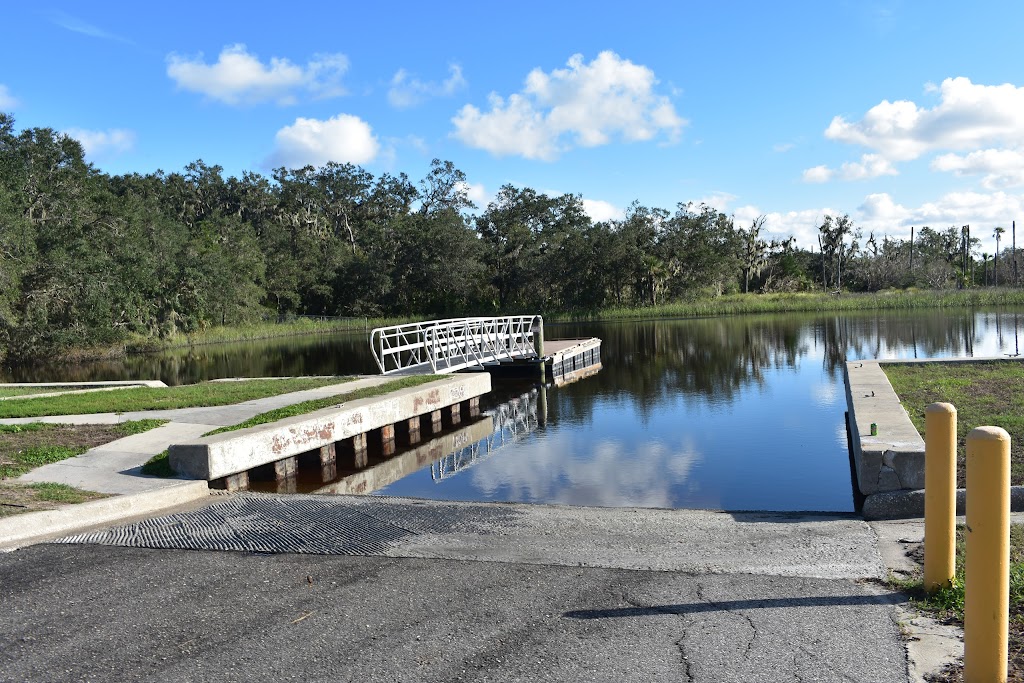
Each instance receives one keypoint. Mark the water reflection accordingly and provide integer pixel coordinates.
(737, 413)
(512, 420)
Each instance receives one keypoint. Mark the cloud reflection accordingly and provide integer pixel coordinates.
(609, 474)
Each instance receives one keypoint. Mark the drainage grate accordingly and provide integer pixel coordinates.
(300, 524)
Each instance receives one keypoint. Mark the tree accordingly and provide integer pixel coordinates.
(753, 254)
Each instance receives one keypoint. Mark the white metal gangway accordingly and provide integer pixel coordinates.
(440, 346)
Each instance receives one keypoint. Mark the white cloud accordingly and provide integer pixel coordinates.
(408, 91)
(7, 100)
(869, 166)
(783, 147)
(1002, 168)
(583, 105)
(100, 144)
(983, 211)
(967, 117)
(818, 174)
(477, 194)
(343, 139)
(238, 77)
(600, 210)
(802, 224)
(76, 25)
(717, 200)
(884, 216)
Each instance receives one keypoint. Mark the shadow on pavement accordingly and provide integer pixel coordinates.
(731, 605)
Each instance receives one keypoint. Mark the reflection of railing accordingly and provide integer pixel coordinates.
(513, 420)
(438, 346)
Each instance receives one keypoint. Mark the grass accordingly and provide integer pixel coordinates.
(28, 446)
(735, 304)
(147, 398)
(24, 391)
(984, 393)
(160, 465)
(948, 603)
(317, 404)
(18, 498)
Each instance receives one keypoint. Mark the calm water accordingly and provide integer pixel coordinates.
(738, 413)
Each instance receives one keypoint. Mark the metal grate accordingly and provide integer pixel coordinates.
(300, 524)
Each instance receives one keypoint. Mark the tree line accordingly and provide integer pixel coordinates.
(88, 258)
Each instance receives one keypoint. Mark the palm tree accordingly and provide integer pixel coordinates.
(984, 268)
(995, 269)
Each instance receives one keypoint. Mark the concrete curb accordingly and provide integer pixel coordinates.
(35, 527)
(905, 504)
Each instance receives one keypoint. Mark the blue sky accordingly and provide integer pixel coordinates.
(899, 113)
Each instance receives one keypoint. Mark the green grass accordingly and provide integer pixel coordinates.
(28, 427)
(62, 493)
(948, 603)
(253, 331)
(137, 426)
(25, 391)
(159, 466)
(317, 404)
(984, 394)
(18, 498)
(735, 304)
(146, 398)
(30, 458)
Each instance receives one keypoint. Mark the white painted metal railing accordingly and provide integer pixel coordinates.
(513, 421)
(440, 346)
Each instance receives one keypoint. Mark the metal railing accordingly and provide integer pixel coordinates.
(440, 346)
(513, 421)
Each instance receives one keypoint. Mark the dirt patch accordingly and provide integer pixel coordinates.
(18, 498)
(23, 447)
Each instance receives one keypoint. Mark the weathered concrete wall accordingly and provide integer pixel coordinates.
(894, 458)
(220, 455)
(890, 465)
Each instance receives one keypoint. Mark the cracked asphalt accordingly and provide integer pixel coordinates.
(664, 596)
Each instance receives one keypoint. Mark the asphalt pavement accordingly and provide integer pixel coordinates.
(496, 593)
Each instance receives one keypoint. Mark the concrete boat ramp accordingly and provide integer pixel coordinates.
(340, 587)
(386, 589)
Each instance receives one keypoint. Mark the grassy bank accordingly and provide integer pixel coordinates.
(229, 333)
(145, 398)
(737, 304)
(989, 393)
(948, 603)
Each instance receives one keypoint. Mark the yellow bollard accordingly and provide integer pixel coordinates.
(987, 593)
(939, 496)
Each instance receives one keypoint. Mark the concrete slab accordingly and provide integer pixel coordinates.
(894, 458)
(114, 467)
(692, 541)
(34, 527)
(225, 454)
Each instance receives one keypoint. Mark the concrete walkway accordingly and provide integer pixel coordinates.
(115, 467)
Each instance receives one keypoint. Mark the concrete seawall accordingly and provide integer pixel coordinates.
(230, 453)
(889, 464)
